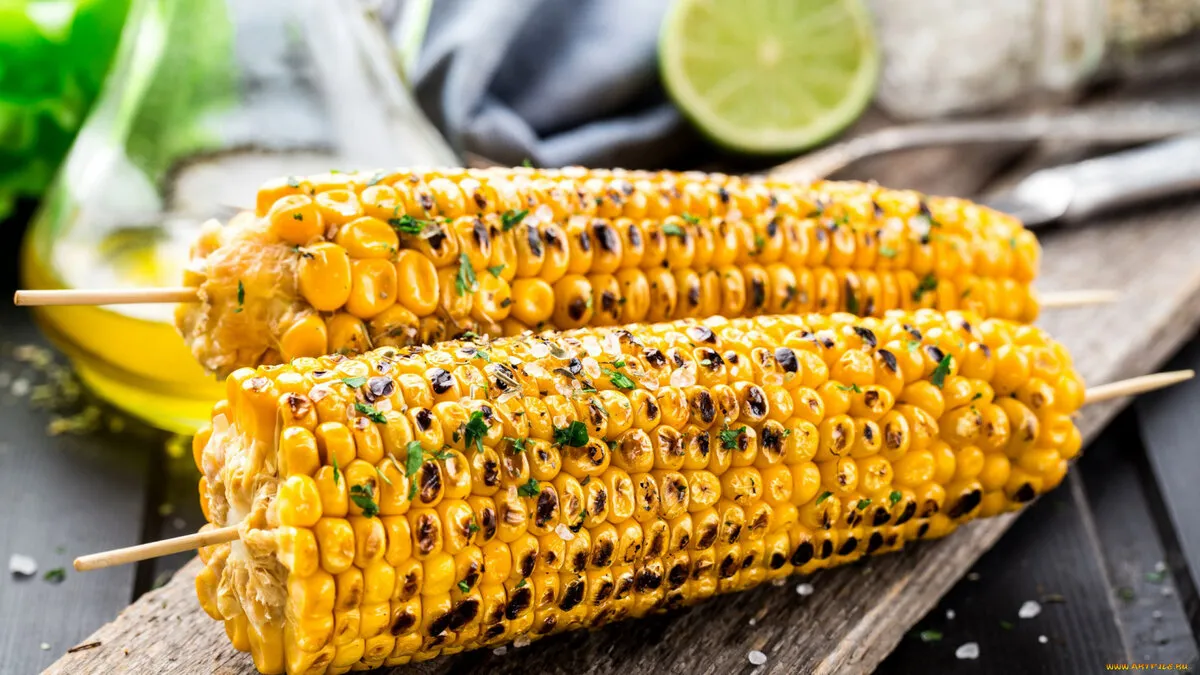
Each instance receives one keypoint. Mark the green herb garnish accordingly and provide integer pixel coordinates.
(912, 345)
(895, 497)
(406, 224)
(363, 497)
(510, 218)
(862, 504)
(475, 429)
(575, 435)
(854, 388)
(337, 473)
(691, 219)
(729, 437)
(416, 457)
(354, 382)
(465, 279)
(518, 444)
(383, 476)
(56, 575)
(241, 297)
(495, 270)
(851, 301)
(619, 380)
(520, 584)
(464, 586)
(823, 496)
(1006, 625)
(673, 230)
(371, 412)
(888, 251)
(472, 528)
(927, 284)
(297, 216)
(530, 489)
(938, 378)
(931, 636)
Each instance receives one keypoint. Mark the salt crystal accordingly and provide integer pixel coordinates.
(804, 590)
(539, 350)
(752, 621)
(45, 646)
(20, 387)
(757, 658)
(1156, 614)
(564, 532)
(592, 367)
(521, 642)
(779, 582)
(969, 650)
(1043, 639)
(1029, 610)
(592, 346)
(685, 376)
(1160, 567)
(1166, 591)
(950, 615)
(500, 651)
(22, 565)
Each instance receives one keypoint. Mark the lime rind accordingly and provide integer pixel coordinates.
(765, 113)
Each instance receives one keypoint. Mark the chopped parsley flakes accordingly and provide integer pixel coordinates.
(475, 429)
(823, 496)
(354, 382)
(510, 218)
(619, 380)
(929, 283)
(938, 378)
(363, 497)
(575, 435)
(530, 489)
(371, 412)
(241, 297)
(729, 437)
(465, 279)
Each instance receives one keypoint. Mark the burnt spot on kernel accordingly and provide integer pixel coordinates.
(547, 507)
(602, 554)
(934, 353)
(655, 357)
(910, 510)
(881, 516)
(426, 534)
(704, 406)
(572, 595)
(707, 536)
(609, 302)
(693, 295)
(922, 530)
(756, 402)
(702, 334)
(728, 567)
(606, 237)
(487, 517)
(518, 601)
(494, 631)
(579, 561)
(379, 387)
(916, 334)
(534, 239)
(576, 308)
(491, 472)
(868, 337)
(758, 293)
(441, 380)
(431, 481)
(464, 613)
(403, 622)
(786, 358)
(1025, 493)
(848, 546)
(527, 563)
(677, 575)
(585, 241)
(874, 542)
(803, 553)
(868, 431)
(657, 546)
(603, 592)
(777, 560)
(440, 624)
(826, 549)
(624, 586)
(966, 505)
(479, 232)
(298, 405)
(647, 579)
(635, 235)
(771, 440)
(929, 508)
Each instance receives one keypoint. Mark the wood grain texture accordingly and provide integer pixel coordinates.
(858, 614)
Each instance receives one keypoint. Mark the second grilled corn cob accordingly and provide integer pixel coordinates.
(422, 501)
(346, 262)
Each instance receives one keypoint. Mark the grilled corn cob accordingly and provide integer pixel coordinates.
(346, 262)
(419, 501)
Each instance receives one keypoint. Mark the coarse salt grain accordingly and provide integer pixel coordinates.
(950, 614)
(1029, 610)
(969, 650)
(1043, 639)
(804, 589)
(22, 565)
(564, 532)
(757, 658)
(500, 651)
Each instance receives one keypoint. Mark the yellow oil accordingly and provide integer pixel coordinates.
(129, 355)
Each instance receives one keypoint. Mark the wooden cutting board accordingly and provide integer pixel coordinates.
(856, 614)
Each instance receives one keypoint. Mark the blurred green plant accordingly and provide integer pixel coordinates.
(54, 55)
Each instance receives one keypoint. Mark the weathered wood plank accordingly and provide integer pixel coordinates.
(1171, 432)
(855, 618)
(1049, 553)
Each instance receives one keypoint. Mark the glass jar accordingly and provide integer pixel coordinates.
(206, 100)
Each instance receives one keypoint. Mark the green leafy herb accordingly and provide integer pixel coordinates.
(337, 472)
(465, 280)
(56, 575)
(938, 378)
(1006, 625)
(520, 584)
(518, 444)
(729, 437)
(371, 412)
(530, 489)
(912, 345)
(619, 380)
(689, 218)
(926, 285)
(354, 382)
(575, 435)
(241, 297)
(619, 363)
(1157, 576)
(854, 388)
(823, 496)
(862, 504)
(851, 301)
(416, 457)
(297, 216)
(1012, 243)
(887, 251)
(673, 230)
(527, 163)
(978, 395)
(475, 429)
(495, 270)
(383, 476)
(760, 242)
(585, 481)
(510, 218)
(895, 497)
(363, 497)
(406, 224)
(472, 528)
(464, 586)
(931, 636)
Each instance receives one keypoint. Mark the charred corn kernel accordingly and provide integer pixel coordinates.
(396, 539)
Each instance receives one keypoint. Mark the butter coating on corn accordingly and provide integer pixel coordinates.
(347, 262)
(419, 501)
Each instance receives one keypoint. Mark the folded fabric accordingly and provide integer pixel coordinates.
(555, 82)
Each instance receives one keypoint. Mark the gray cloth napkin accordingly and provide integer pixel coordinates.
(555, 82)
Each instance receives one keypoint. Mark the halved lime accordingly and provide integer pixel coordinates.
(769, 76)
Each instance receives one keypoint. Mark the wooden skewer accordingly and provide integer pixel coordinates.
(125, 296)
(120, 556)
(136, 296)
(1135, 385)
(156, 549)
(1079, 298)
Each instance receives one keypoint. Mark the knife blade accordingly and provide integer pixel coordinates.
(1073, 193)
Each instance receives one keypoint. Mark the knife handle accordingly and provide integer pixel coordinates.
(1170, 167)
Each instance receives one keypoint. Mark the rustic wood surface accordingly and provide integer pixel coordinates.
(857, 615)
